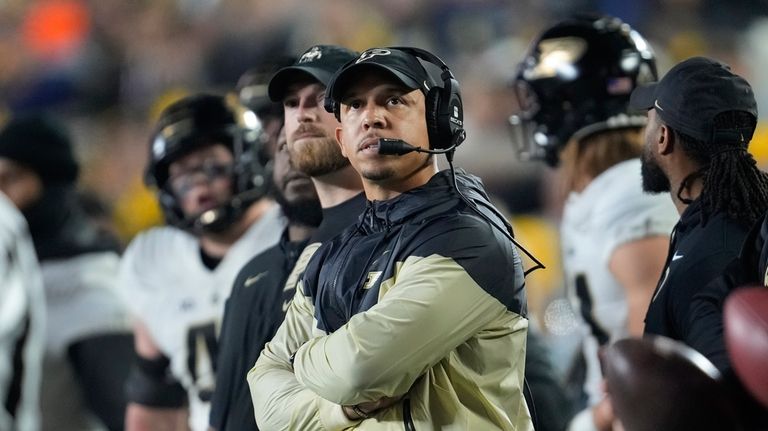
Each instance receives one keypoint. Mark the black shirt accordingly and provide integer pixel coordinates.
(749, 268)
(337, 218)
(253, 313)
(687, 304)
(697, 255)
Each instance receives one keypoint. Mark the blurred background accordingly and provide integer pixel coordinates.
(107, 67)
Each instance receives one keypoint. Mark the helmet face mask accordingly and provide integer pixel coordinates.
(575, 81)
(196, 122)
(529, 138)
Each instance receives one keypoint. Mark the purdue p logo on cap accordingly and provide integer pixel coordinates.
(367, 55)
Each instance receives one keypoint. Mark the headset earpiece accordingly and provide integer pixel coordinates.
(445, 111)
(431, 101)
(332, 107)
(449, 112)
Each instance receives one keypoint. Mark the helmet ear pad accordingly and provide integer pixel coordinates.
(171, 208)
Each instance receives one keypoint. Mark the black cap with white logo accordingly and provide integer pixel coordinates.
(405, 67)
(693, 93)
(319, 62)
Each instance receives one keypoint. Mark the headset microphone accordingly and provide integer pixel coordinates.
(399, 147)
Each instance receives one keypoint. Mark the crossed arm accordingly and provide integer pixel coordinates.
(434, 307)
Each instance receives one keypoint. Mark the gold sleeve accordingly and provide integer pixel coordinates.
(280, 402)
(430, 307)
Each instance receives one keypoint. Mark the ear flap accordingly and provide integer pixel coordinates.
(171, 211)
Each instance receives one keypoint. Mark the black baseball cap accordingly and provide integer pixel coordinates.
(692, 93)
(319, 62)
(405, 67)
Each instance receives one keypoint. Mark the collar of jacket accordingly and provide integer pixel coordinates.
(435, 197)
(690, 218)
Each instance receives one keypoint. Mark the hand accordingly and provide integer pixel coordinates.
(602, 414)
(368, 408)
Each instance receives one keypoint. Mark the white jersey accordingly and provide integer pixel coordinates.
(22, 320)
(612, 210)
(81, 301)
(181, 301)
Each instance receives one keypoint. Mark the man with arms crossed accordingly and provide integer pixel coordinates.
(398, 322)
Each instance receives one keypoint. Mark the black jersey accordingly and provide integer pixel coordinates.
(252, 314)
(255, 309)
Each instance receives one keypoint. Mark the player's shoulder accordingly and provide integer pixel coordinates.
(460, 235)
(617, 186)
(87, 270)
(11, 220)
(617, 195)
(160, 241)
(156, 253)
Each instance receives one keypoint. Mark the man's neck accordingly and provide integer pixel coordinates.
(337, 187)
(218, 244)
(690, 193)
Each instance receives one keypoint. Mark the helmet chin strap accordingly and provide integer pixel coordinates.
(218, 219)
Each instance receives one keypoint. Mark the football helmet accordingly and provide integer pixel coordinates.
(197, 121)
(252, 88)
(576, 80)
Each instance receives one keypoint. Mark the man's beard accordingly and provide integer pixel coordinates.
(306, 212)
(380, 174)
(654, 179)
(318, 156)
(383, 173)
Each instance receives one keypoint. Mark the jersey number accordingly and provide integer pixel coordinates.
(202, 348)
